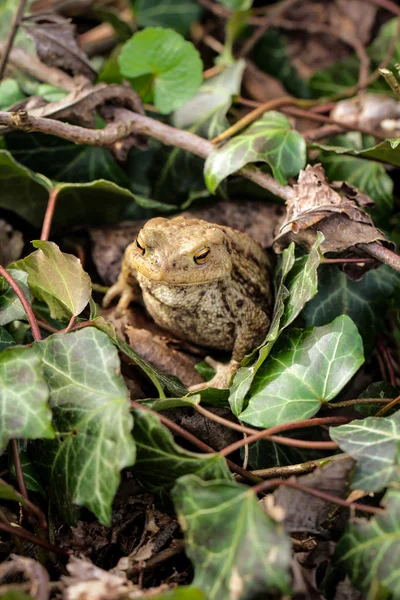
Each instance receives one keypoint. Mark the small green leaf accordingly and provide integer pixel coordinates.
(232, 543)
(375, 443)
(173, 64)
(9, 93)
(305, 369)
(11, 308)
(160, 404)
(31, 476)
(271, 139)
(363, 301)
(369, 550)
(386, 151)
(24, 413)
(91, 415)
(160, 461)
(6, 339)
(58, 279)
(176, 14)
(181, 593)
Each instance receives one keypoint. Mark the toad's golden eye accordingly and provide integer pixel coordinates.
(202, 256)
(140, 248)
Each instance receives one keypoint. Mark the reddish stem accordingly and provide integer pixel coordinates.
(26, 535)
(48, 217)
(360, 260)
(18, 469)
(268, 435)
(271, 483)
(70, 324)
(24, 301)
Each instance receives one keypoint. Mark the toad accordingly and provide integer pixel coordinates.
(205, 283)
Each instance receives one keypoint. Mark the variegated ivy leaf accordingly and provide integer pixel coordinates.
(91, 416)
(271, 139)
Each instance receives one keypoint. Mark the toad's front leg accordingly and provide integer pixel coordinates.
(250, 333)
(126, 288)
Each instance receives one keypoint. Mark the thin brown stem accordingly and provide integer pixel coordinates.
(194, 440)
(388, 407)
(29, 537)
(356, 401)
(382, 253)
(32, 507)
(386, 356)
(48, 217)
(11, 36)
(217, 419)
(338, 261)
(46, 326)
(272, 483)
(70, 324)
(18, 469)
(24, 301)
(291, 470)
(268, 434)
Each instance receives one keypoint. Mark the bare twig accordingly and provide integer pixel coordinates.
(269, 434)
(382, 253)
(29, 537)
(357, 401)
(388, 407)
(11, 36)
(27, 307)
(340, 261)
(48, 217)
(291, 470)
(18, 469)
(272, 483)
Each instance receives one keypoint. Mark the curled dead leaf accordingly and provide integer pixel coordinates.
(31, 570)
(337, 210)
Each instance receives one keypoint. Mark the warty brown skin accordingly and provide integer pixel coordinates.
(223, 303)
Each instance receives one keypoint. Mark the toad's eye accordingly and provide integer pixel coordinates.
(202, 256)
(139, 247)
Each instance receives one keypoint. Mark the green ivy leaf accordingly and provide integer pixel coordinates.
(23, 397)
(271, 139)
(176, 14)
(374, 442)
(305, 369)
(58, 279)
(369, 550)
(160, 461)
(6, 339)
(11, 308)
(232, 543)
(91, 416)
(363, 301)
(174, 65)
(23, 192)
(245, 374)
(386, 151)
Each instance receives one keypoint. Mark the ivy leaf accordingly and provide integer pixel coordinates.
(23, 192)
(58, 279)
(384, 152)
(174, 65)
(271, 139)
(160, 461)
(369, 550)
(363, 301)
(232, 543)
(91, 416)
(176, 14)
(23, 397)
(245, 374)
(296, 284)
(11, 308)
(375, 443)
(6, 339)
(306, 368)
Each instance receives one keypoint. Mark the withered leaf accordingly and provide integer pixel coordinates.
(337, 210)
(56, 45)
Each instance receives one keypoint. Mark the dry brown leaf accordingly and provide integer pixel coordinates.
(88, 582)
(337, 210)
(56, 45)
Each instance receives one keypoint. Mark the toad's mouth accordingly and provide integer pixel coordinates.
(171, 281)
